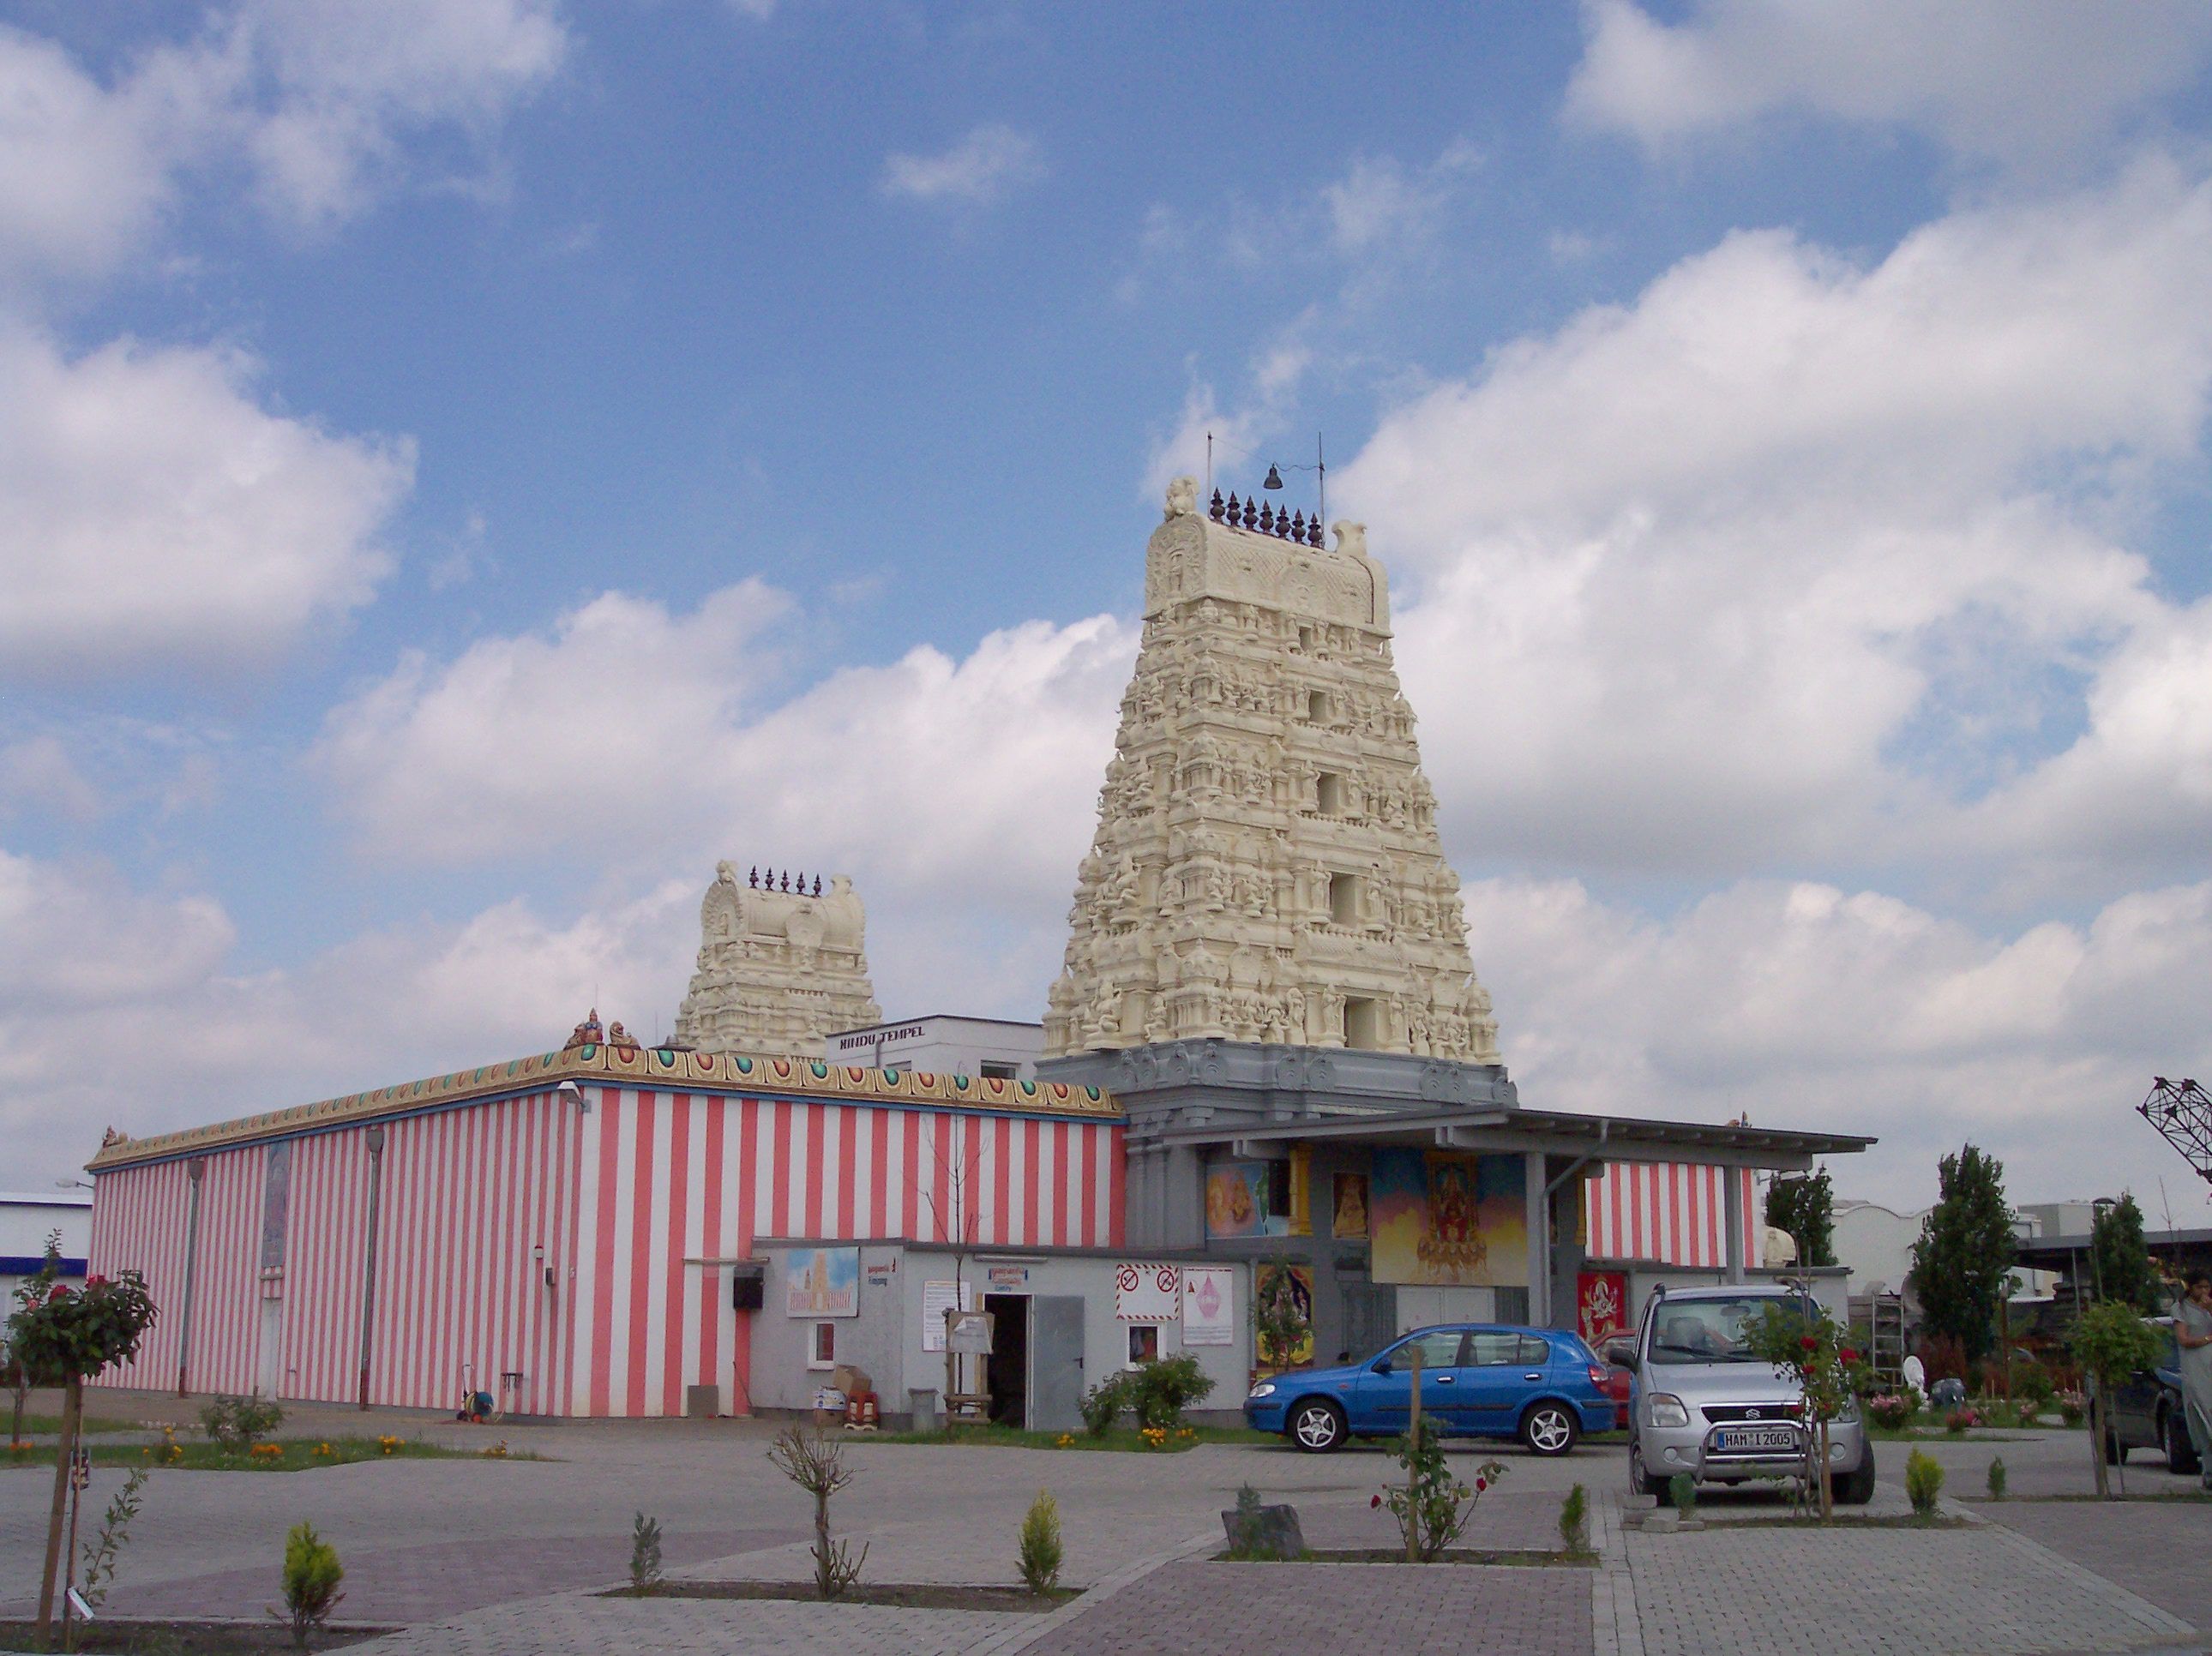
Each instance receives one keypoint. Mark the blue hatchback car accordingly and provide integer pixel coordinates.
(1542, 1385)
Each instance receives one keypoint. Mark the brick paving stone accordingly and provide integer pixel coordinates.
(1875, 1590)
(1286, 1610)
(2159, 1549)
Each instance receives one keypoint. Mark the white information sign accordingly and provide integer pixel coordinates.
(936, 1300)
(1209, 1309)
(1148, 1293)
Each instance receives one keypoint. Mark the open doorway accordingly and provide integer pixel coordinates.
(1006, 1371)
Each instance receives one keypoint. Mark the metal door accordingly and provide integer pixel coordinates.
(1055, 1362)
(1371, 1320)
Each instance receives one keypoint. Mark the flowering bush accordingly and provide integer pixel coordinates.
(1432, 1506)
(1894, 1409)
(1804, 1344)
(497, 1452)
(387, 1443)
(1064, 1441)
(1961, 1419)
(1155, 1437)
(2071, 1408)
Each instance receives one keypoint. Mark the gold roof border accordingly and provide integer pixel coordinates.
(628, 1064)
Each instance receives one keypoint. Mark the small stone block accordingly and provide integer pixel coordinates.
(1276, 1535)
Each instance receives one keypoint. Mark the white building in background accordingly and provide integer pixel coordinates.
(942, 1044)
(1875, 1242)
(25, 1221)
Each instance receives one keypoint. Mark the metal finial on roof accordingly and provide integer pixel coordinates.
(753, 878)
(1251, 515)
(1214, 513)
(1268, 519)
(817, 885)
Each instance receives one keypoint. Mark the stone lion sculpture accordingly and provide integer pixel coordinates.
(1182, 498)
(1351, 537)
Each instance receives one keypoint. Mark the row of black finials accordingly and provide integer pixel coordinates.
(754, 880)
(1283, 525)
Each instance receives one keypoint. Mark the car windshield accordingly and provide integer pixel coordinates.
(1707, 1331)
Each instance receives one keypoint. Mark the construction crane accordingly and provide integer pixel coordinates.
(2182, 1112)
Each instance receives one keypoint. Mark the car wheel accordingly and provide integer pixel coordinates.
(1639, 1484)
(1317, 1427)
(1550, 1429)
(1858, 1489)
(2180, 1452)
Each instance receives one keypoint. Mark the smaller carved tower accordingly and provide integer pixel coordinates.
(781, 964)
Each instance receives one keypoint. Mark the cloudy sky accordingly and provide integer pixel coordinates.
(465, 465)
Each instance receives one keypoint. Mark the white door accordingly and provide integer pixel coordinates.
(272, 1347)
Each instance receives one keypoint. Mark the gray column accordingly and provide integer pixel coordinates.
(1540, 1242)
(1732, 1184)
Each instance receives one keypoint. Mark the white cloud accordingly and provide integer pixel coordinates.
(1805, 1005)
(2015, 78)
(1747, 571)
(956, 791)
(1239, 433)
(85, 170)
(153, 512)
(353, 77)
(315, 99)
(39, 772)
(146, 983)
(1381, 206)
(986, 167)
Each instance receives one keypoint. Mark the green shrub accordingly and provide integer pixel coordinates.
(1682, 1493)
(1574, 1520)
(312, 1574)
(2032, 1383)
(1997, 1478)
(1103, 1404)
(1923, 1483)
(645, 1553)
(236, 1424)
(1040, 1544)
(1162, 1389)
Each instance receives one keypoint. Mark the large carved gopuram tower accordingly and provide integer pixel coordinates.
(1266, 869)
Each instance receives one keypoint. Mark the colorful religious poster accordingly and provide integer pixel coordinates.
(1349, 1206)
(822, 1281)
(1248, 1198)
(1449, 1220)
(1601, 1305)
(1209, 1304)
(1147, 1293)
(1273, 1283)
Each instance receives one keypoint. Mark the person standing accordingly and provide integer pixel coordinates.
(2192, 1332)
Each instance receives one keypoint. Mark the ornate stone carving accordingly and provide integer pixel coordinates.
(1265, 866)
(778, 969)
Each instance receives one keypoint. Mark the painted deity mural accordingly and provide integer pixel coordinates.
(1445, 1220)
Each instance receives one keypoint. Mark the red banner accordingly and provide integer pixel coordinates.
(1601, 1304)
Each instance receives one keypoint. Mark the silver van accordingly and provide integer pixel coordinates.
(1700, 1403)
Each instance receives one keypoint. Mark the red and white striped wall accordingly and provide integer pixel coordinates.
(671, 1183)
(1672, 1213)
(635, 1204)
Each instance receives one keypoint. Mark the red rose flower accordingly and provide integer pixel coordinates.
(1808, 1341)
(1848, 1355)
(60, 1292)
(1373, 1501)
(1480, 1484)
(95, 1281)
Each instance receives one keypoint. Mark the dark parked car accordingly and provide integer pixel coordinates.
(2147, 1410)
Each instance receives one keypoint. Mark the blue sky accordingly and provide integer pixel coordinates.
(469, 465)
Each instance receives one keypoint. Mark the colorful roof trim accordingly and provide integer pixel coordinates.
(610, 1065)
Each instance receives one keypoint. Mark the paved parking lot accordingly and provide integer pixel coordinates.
(497, 1557)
